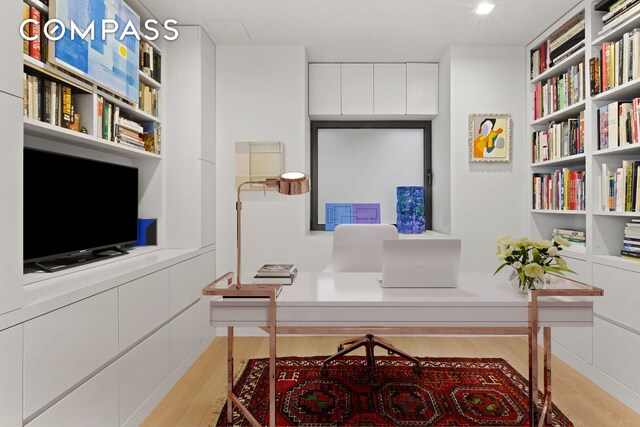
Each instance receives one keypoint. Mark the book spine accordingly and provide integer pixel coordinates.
(66, 107)
(26, 14)
(34, 31)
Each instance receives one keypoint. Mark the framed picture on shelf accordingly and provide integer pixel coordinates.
(490, 138)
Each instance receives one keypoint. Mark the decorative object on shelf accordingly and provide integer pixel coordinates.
(289, 184)
(410, 210)
(490, 138)
(532, 260)
(147, 232)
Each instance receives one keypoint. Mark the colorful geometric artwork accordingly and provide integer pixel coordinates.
(490, 137)
(351, 213)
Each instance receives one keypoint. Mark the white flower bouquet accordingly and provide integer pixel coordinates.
(531, 259)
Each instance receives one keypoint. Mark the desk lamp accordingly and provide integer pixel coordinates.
(289, 184)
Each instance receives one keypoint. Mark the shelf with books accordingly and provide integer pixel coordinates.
(134, 112)
(574, 160)
(575, 58)
(626, 90)
(558, 211)
(617, 31)
(38, 5)
(58, 74)
(619, 214)
(55, 133)
(576, 252)
(148, 80)
(631, 149)
(565, 113)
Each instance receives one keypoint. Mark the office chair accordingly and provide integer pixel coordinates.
(358, 248)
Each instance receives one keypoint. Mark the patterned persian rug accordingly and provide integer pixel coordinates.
(447, 392)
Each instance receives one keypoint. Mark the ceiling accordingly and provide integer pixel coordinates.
(365, 30)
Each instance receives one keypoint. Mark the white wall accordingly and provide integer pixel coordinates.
(441, 150)
(487, 200)
(262, 96)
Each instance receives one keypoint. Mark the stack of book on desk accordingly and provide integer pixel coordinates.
(282, 274)
(631, 243)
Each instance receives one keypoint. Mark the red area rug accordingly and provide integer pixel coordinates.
(447, 392)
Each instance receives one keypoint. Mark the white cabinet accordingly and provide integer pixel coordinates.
(390, 89)
(11, 48)
(191, 124)
(11, 196)
(207, 202)
(188, 278)
(186, 333)
(143, 306)
(142, 371)
(63, 347)
(579, 341)
(324, 89)
(422, 88)
(615, 352)
(357, 89)
(621, 295)
(11, 377)
(94, 403)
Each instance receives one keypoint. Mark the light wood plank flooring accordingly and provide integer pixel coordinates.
(200, 392)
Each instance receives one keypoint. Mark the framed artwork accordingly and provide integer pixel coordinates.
(490, 138)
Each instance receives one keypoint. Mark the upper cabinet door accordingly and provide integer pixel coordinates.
(357, 89)
(422, 88)
(324, 89)
(390, 88)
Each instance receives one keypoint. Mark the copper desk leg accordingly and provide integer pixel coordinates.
(533, 357)
(272, 359)
(229, 374)
(547, 372)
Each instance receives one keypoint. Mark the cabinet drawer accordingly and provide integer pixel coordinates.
(188, 278)
(94, 404)
(621, 295)
(142, 371)
(65, 346)
(581, 268)
(143, 306)
(186, 333)
(615, 352)
(11, 377)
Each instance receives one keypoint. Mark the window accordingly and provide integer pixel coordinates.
(363, 163)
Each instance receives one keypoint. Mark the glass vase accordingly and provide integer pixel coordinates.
(538, 283)
(410, 209)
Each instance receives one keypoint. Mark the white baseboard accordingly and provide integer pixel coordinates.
(149, 405)
(242, 332)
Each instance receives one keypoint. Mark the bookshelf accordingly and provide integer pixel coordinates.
(599, 262)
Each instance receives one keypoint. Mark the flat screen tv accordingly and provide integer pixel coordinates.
(74, 206)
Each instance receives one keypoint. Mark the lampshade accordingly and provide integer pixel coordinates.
(292, 183)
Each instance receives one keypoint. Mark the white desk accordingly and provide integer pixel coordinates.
(353, 303)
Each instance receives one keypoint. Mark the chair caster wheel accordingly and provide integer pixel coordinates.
(340, 348)
(416, 369)
(324, 371)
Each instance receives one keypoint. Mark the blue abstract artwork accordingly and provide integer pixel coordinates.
(351, 213)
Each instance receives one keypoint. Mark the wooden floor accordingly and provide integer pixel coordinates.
(194, 400)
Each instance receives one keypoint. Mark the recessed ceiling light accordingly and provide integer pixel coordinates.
(485, 8)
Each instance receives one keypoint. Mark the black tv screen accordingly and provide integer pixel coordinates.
(72, 205)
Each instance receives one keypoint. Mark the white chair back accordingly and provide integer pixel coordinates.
(358, 247)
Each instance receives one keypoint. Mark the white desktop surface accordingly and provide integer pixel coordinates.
(357, 299)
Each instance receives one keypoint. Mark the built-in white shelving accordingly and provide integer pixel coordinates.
(562, 66)
(623, 91)
(38, 5)
(144, 78)
(631, 149)
(565, 113)
(557, 211)
(576, 159)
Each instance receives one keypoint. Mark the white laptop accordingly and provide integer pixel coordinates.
(421, 263)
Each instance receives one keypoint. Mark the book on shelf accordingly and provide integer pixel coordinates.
(149, 100)
(577, 238)
(563, 189)
(277, 270)
(619, 60)
(617, 17)
(561, 139)
(620, 187)
(559, 92)
(566, 40)
(631, 242)
(619, 124)
(150, 61)
(49, 101)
